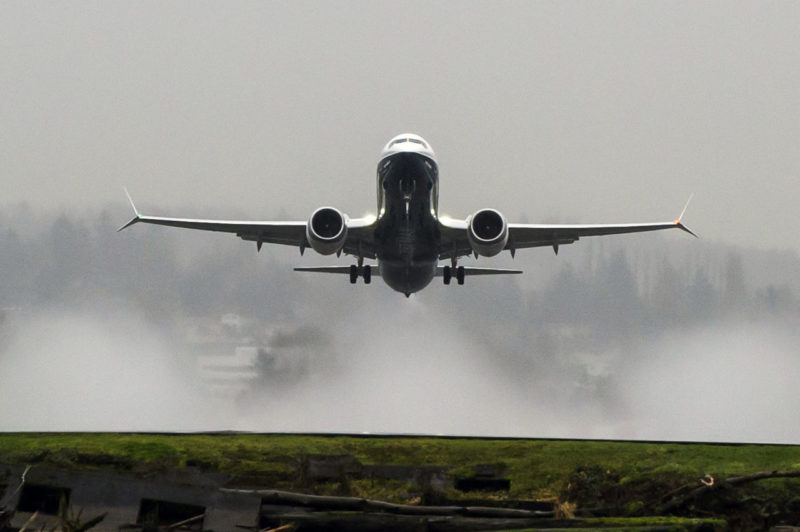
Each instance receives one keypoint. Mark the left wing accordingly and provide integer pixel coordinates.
(536, 235)
(455, 243)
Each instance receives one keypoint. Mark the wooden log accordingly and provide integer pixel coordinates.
(185, 522)
(369, 522)
(509, 513)
(355, 504)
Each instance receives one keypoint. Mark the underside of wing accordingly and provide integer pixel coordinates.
(358, 239)
(455, 236)
(454, 241)
(288, 233)
(536, 235)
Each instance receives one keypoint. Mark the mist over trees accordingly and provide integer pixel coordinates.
(574, 335)
(607, 292)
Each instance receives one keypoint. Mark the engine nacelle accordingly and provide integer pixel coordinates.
(326, 230)
(487, 232)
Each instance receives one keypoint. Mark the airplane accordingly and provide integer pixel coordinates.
(408, 237)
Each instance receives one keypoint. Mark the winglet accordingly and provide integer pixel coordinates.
(679, 217)
(678, 221)
(135, 218)
(137, 212)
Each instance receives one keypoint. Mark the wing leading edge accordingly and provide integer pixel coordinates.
(290, 233)
(535, 235)
(455, 242)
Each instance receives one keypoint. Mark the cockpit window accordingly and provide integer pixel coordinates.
(415, 141)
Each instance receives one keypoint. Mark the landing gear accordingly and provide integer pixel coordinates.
(365, 272)
(447, 274)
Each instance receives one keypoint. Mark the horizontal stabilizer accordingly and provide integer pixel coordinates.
(333, 269)
(479, 271)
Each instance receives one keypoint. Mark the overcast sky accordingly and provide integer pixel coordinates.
(571, 111)
(564, 111)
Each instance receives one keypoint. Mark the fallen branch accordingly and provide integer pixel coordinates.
(185, 522)
(356, 504)
(30, 520)
(21, 483)
(717, 484)
(284, 528)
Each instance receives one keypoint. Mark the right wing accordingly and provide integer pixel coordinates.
(359, 238)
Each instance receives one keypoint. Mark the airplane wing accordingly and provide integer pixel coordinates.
(536, 235)
(291, 233)
(455, 242)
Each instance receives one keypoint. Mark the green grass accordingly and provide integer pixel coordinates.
(537, 468)
(639, 523)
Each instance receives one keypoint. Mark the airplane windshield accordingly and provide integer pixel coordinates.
(415, 141)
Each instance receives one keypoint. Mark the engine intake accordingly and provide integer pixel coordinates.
(326, 230)
(487, 233)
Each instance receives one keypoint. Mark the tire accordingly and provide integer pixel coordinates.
(447, 274)
(460, 275)
(353, 274)
(367, 274)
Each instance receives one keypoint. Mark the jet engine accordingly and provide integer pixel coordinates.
(326, 230)
(487, 233)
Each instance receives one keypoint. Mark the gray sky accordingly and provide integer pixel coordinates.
(581, 111)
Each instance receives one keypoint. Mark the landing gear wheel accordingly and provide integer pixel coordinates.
(447, 274)
(367, 274)
(460, 275)
(353, 273)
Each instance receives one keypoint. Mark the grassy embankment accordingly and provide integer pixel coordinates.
(538, 469)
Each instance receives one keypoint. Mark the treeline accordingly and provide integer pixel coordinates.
(617, 294)
(72, 262)
(616, 287)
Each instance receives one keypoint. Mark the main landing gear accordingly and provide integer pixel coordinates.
(365, 272)
(447, 274)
